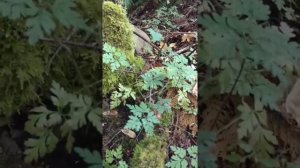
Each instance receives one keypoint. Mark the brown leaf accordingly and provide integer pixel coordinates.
(195, 89)
(163, 46)
(110, 113)
(188, 37)
(173, 45)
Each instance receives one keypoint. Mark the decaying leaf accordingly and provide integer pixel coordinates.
(110, 113)
(195, 89)
(163, 46)
(173, 45)
(129, 133)
(188, 37)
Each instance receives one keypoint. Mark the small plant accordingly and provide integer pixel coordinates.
(175, 74)
(163, 16)
(183, 158)
(114, 158)
(114, 58)
(122, 95)
(142, 118)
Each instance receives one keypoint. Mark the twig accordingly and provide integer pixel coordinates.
(178, 32)
(76, 44)
(112, 137)
(58, 50)
(185, 49)
(238, 77)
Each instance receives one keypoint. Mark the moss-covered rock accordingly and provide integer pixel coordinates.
(150, 153)
(118, 32)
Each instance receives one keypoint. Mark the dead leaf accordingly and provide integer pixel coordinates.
(110, 113)
(195, 89)
(163, 46)
(188, 37)
(171, 94)
(129, 133)
(173, 45)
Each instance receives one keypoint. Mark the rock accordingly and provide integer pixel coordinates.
(141, 46)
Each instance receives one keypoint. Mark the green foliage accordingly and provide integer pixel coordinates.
(163, 17)
(260, 140)
(246, 53)
(71, 113)
(42, 20)
(93, 159)
(155, 36)
(142, 118)
(27, 70)
(176, 73)
(183, 157)
(114, 158)
(113, 58)
(150, 152)
(120, 96)
(25, 67)
(162, 105)
(261, 48)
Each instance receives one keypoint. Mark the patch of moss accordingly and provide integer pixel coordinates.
(21, 67)
(166, 119)
(150, 153)
(118, 32)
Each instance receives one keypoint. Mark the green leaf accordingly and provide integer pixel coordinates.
(37, 148)
(94, 118)
(93, 158)
(155, 36)
(64, 13)
(142, 117)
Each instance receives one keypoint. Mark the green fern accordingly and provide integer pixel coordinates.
(114, 158)
(72, 112)
(183, 158)
(142, 118)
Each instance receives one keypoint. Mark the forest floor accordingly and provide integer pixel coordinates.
(183, 129)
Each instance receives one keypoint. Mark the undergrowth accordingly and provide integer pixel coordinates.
(244, 53)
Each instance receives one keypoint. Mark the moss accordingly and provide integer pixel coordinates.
(118, 32)
(166, 119)
(25, 73)
(22, 68)
(150, 153)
